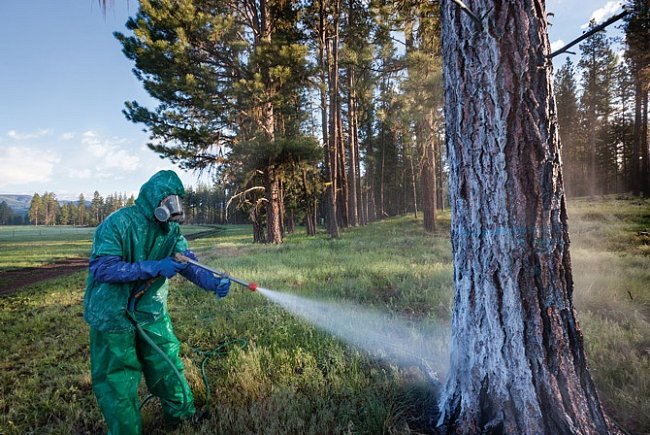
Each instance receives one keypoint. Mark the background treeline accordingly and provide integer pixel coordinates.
(46, 209)
(603, 112)
(203, 205)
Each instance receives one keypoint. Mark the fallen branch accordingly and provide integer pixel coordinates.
(252, 189)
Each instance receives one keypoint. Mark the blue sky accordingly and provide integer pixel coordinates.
(63, 83)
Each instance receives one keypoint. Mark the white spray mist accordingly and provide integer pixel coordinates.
(385, 336)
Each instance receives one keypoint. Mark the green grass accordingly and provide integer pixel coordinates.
(611, 270)
(32, 246)
(294, 379)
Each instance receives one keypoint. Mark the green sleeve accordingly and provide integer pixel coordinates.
(107, 241)
(181, 245)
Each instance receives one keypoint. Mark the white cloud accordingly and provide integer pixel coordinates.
(25, 165)
(68, 135)
(601, 14)
(13, 134)
(556, 45)
(111, 155)
(81, 174)
(121, 159)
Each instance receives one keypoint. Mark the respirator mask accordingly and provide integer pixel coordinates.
(170, 209)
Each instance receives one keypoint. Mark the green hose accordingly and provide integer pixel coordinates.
(220, 350)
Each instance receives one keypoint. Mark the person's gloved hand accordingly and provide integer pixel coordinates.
(168, 267)
(191, 255)
(222, 288)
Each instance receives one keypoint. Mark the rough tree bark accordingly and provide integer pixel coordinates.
(517, 363)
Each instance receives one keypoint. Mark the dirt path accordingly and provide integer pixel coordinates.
(14, 279)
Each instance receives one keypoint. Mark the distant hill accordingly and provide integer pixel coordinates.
(20, 203)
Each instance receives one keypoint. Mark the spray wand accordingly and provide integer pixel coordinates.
(183, 259)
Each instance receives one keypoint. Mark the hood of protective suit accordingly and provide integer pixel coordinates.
(160, 185)
(133, 234)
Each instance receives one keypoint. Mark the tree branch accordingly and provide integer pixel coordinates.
(598, 28)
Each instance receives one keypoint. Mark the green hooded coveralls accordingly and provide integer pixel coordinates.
(118, 354)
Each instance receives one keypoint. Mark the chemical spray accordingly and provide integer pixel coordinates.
(381, 335)
(389, 337)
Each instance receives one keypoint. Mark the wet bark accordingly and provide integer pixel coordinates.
(518, 364)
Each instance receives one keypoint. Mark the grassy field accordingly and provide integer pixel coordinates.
(294, 379)
(33, 246)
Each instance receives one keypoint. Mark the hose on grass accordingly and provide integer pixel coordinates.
(219, 350)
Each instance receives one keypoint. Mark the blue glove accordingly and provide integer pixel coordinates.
(113, 269)
(168, 267)
(222, 288)
(205, 279)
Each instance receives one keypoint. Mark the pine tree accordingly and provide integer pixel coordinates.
(96, 207)
(518, 364)
(423, 89)
(81, 210)
(64, 214)
(637, 36)
(35, 209)
(597, 64)
(216, 90)
(6, 213)
(573, 152)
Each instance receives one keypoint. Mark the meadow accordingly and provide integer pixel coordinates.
(293, 378)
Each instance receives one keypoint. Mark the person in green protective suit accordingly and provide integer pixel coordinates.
(133, 251)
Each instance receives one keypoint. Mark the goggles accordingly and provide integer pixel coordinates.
(170, 209)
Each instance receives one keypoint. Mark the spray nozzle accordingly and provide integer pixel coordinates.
(184, 259)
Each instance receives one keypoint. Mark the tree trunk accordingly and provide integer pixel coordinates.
(343, 175)
(267, 123)
(333, 76)
(258, 228)
(428, 184)
(272, 192)
(645, 173)
(283, 210)
(414, 188)
(357, 169)
(440, 178)
(637, 147)
(353, 211)
(517, 361)
(591, 119)
(290, 222)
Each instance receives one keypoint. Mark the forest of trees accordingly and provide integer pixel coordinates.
(331, 110)
(309, 111)
(46, 209)
(602, 111)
